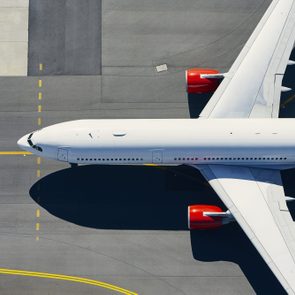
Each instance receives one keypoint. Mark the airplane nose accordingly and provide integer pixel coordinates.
(23, 143)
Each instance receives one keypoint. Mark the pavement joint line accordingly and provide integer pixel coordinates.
(14, 153)
(62, 277)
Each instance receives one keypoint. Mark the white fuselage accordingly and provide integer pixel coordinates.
(255, 142)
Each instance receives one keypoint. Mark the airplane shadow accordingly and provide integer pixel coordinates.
(120, 197)
(151, 198)
(196, 103)
(229, 243)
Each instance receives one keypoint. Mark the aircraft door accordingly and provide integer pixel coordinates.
(157, 157)
(62, 154)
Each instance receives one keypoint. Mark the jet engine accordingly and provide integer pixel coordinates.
(207, 217)
(202, 80)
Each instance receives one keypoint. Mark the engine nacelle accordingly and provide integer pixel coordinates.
(205, 216)
(195, 83)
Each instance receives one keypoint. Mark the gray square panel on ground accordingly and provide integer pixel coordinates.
(65, 36)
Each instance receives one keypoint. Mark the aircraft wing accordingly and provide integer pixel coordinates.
(256, 199)
(253, 85)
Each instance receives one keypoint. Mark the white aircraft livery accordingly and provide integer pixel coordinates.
(238, 143)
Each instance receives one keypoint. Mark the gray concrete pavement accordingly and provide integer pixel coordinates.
(14, 18)
(65, 35)
(121, 225)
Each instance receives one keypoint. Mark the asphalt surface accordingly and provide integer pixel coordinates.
(122, 225)
(65, 35)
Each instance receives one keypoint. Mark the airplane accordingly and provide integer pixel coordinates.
(238, 142)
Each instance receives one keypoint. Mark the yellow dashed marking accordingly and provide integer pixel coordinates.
(40, 67)
(39, 108)
(14, 153)
(38, 160)
(40, 95)
(37, 238)
(37, 226)
(151, 165)
(38, 213)
(52, 276)
(40, 83)
(38, 173)
(39, 121)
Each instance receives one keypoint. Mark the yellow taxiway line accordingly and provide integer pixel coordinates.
(86, 281)
(13, 153)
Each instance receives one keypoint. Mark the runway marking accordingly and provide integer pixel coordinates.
(14, 153)
(40, 83)
(39, 108)
(61, 277)
(40, 95)
(38, 173)
(39, 121)
(38, 213)
(40, 67)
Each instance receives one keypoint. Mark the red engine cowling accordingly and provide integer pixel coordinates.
(196, 84)
(197, 219)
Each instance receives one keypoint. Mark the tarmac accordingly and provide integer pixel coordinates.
(120, 229)
(14, 37)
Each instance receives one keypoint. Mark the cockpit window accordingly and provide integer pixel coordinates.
(29, 140)
(36, 147)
